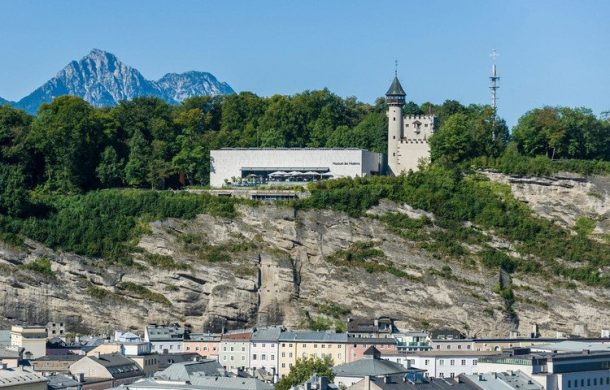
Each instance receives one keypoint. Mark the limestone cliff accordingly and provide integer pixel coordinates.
(270, 264)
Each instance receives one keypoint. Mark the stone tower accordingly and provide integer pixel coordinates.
(407, 136)
(395, 97)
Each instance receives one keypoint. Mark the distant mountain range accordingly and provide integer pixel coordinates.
(102, 80)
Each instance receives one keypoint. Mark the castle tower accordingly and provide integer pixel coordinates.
(395, 97)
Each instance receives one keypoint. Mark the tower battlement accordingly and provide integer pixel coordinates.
(408, 135)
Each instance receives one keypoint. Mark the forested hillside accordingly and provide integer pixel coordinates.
(77, 179)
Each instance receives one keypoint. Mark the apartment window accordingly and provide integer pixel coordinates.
(197, 348)
(463, 362)
(224, 358)
(171, 347)
(426, 362)
(243, 358)
(224, 349)
(323, 346)
(243, 349)
(283, 365)
(253, 356)
(263, 357)
(205, 348)
(338, 356)
(452, 374)
(474, 362)
(263, 345)
(438, 347)
(290, 345)
(254, 345)
(272, 357)
(459, 347)
(283, 344)
(441, 362)
(442, 374)
(452, 362)
(283, 354)
(315, 345)
(290, 354)
(448, 346)
(468, 347)
(232, 357)
(304, 346)
(231, 349)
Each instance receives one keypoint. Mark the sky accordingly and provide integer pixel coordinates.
(552, 52)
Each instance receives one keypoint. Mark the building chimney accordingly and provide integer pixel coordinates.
(81, 378)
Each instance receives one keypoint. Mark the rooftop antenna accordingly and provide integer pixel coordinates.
(494, 89)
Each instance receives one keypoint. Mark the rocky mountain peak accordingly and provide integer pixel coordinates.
(103, 80)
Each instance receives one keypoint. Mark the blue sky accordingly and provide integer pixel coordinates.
(551, 52)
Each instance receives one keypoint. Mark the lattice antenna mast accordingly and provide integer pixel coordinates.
(494, 90)
(494, 80)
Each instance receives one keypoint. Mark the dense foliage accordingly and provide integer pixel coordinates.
(303, 369)
(455, 198)
(108, 223)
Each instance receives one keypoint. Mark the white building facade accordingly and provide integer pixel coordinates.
(234, 351)
(439, 364)
(264, 349)
(408, 136)
(230, 165)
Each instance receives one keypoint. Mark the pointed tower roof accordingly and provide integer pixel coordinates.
(396, 89)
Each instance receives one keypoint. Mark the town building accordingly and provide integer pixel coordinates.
(316, 383)
(554, 370)
(278, 166)
(56, 329)
(187, 371)
(304, 344)
(106, 371)
(264, 349)
(165, 338)
(54, 364)
(10, 356)
(513, 380)
(382, 327)
(149, 364)
(19, 379)
(357, 346)
(371, 365)
(199, 383)
(235, 350)
(33, 340)
(124, 348)
(408, 136)
(412, 341)
(205, 344)
(442, 364)
(126, 337)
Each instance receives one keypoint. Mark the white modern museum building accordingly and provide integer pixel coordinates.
(290, 165)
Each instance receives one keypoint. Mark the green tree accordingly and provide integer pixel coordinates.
(303, 369)
(137, 165)
(69, 134)
(14, 198)
(111, 168)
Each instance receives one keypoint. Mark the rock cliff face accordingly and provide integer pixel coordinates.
(271, 264)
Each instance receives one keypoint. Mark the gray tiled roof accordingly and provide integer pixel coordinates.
(185, 371)
(202, 383)
(271, 333)
(397, 383)
(311, 336)
(396, 89)
(118, 365)
(371, 367)
(10, 376)
(502, 380)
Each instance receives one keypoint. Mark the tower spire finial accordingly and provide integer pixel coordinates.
(395, 68)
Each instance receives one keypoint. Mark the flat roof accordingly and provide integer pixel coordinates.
(326, 149)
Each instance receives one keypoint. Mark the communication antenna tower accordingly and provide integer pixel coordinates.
(494, 80)
(494, 90)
